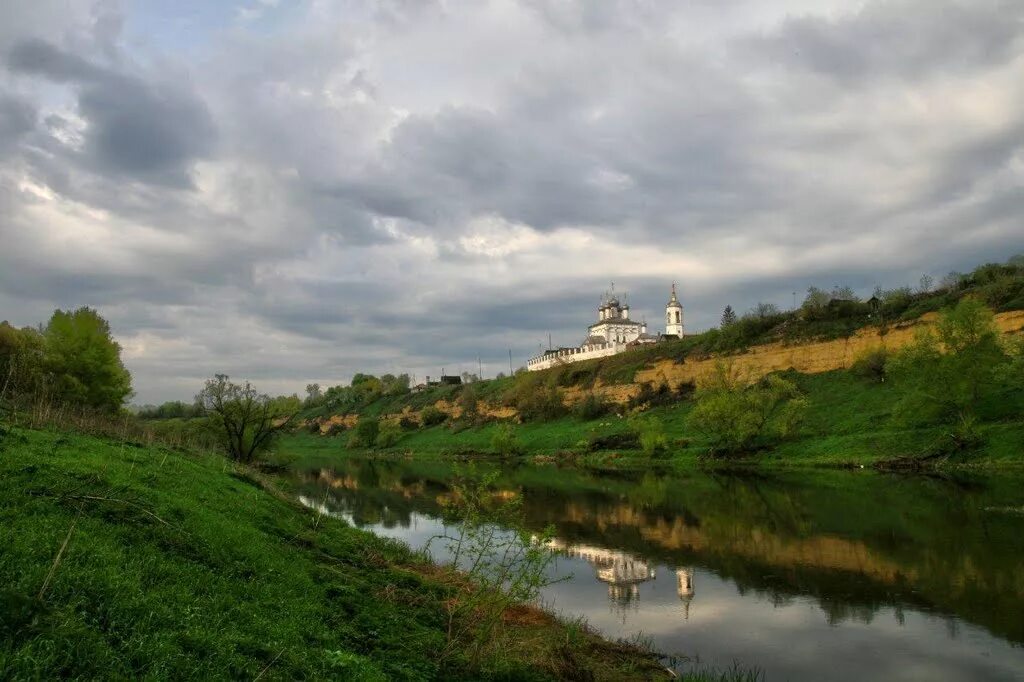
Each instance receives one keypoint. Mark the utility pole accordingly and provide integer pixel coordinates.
(510, 362)
(480, 368)
(549, 340)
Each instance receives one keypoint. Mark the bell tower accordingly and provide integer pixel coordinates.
(674, 315)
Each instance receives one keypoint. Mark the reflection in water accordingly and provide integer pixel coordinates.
(819, 575)
(623, 572)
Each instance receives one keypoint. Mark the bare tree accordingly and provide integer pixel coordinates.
(925, 284)
(248, 419)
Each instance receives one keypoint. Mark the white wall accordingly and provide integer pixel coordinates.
(586, 353)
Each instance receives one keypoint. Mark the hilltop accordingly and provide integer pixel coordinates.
(829, 348)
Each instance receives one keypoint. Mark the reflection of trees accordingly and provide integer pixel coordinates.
(854, 542)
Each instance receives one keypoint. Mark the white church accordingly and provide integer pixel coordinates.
(614, 332)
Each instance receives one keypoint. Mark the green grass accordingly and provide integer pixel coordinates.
(181, 566)
(848, 423)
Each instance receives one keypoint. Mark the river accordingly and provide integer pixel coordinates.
(813, 575)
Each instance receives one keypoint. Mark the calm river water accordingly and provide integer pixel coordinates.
(807, 576)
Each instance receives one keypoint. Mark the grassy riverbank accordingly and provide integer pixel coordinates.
(122, 561)
(848, 422)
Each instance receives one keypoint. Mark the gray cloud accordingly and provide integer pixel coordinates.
(907, 39)
(405, 186)
(143, 130)
(17, 117)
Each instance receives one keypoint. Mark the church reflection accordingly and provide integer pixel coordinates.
(623, 572)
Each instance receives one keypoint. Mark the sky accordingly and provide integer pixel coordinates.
(294, 191)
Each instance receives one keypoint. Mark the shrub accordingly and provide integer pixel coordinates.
(686, 390)
(649, 396)
(544, 404)
(365, 433)
(650, 434)
(335, 430)
(468, 401)
(456, 426)
(628, 440)
(431, 416)
(947, 373)
(408, 423)
(870, 364)
(591, 407)
(735, 414)
(505, 440)
(389, 433)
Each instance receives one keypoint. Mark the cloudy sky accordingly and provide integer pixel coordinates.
(293, 191)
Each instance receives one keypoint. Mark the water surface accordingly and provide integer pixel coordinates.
(809, 576)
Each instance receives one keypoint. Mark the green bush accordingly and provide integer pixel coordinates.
(870, 364)
(737, 415)
(335, 429)
(389, 433)
(543, 404)
(650, 434)
(365, 433)
(628, 440)
(505, 440)
(591, 407)
(431, 416)
(949, 373)
(649, 396)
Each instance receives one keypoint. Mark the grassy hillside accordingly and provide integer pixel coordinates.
(121, 561)
(848, 423)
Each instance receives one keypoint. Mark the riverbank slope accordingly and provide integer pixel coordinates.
(848, 423)
(124, 561)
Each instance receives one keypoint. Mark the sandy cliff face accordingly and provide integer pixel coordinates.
(809, 358)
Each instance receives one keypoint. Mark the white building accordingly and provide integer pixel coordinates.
(614, 332)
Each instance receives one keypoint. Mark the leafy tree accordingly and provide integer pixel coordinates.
(85, 361)
(764, 310)
(728, 316)
(22, 356)
(314, 396)
(952, 281)
(949, 370)
(247, 420)
(897, 298)
(366, 388)
(392, 385)
(843, 293)
(815, 302)
(735, 414)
